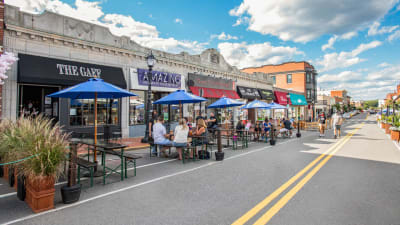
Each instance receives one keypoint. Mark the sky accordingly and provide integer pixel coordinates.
(353, 44)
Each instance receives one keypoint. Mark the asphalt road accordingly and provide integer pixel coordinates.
(294, 182)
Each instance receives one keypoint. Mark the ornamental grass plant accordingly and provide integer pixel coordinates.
(37, 140)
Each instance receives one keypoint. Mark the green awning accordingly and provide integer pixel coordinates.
(297, 99)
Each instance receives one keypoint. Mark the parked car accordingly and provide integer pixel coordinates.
(347, 116)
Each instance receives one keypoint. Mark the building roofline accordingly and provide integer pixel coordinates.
(255, 67)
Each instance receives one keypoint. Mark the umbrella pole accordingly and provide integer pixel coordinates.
(95, 126)
(180, 108)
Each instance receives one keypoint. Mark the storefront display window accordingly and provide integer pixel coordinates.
(81, 112)
(136, 108)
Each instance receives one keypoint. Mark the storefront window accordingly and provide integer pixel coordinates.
(81, 112)
(136, 108)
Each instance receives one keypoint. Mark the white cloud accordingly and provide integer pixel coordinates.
(394, 36)
(332, 40)
(345, 59)
(177, 20)
(142, 33)
(303, 21)
(330, 43)
(246, 55)
(224, 37)
(375, 30)
(363, 85)
(384, 64)
(342, 76)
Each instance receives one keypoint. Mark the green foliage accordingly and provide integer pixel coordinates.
(371, 103)
(34, 136)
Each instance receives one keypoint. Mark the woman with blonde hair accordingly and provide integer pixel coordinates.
(180, 136)
(200, 133)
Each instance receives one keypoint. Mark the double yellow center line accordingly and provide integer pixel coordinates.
(290, 194)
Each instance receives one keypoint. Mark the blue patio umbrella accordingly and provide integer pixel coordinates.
(92, 89)
(225, 102)
(140, 106)
(256, 104)
(274, 105)
(179, 97)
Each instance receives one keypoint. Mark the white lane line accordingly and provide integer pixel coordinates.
(7, 195)
(138, 185)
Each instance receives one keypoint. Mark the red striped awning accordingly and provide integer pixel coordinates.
(213, 93)
(280, 98)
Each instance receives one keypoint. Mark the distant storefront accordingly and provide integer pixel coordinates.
(162, 83)
(39, 76)
(211, 88)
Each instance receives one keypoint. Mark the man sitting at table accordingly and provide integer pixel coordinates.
(160, 135)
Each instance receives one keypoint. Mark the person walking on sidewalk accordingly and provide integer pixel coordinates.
(336, 122)
(322, 122)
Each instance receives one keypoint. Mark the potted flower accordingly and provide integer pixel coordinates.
(43, 146)
(395, 133)
(389, 121)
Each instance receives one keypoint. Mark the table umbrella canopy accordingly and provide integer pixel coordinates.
(179, 97)
(225, 102)
(274, 105)
(256, 104)
(91, 88)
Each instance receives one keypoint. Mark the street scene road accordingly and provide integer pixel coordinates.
(308, 180)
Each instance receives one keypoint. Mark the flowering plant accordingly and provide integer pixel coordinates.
(6, 60)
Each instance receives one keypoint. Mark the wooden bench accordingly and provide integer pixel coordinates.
(130, 158)
(87, 165)
(156, 146)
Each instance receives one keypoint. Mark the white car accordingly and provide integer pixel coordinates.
(346, 116)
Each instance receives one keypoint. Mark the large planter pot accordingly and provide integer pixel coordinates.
(11, 177)
(272, 142)
(40, 193)
(395, 135)
(71, 194)
(387, 128)
(219, 156)
(1, 171)
(21, 190)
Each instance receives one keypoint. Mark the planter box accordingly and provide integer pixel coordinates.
(40, 193)
(5, 176)
(395, 135)
(387, 126)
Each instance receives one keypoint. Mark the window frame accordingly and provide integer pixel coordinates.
(287, 78)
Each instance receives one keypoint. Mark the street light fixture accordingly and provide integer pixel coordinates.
(313, 112)
(151, 61)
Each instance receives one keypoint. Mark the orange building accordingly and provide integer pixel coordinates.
(296, 76)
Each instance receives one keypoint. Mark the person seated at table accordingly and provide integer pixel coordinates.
(257, 130)
(200, 133)
(160, 135)
(189, 124)
(267, 128)
(288, 126)
(248, 125)
(181, 136)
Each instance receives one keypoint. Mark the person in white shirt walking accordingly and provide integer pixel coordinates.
(181, 136)
(337, 120)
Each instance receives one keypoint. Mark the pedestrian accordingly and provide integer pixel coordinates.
(212, 123)
(336, 123)
(160, 136)
(181, 136)
(267, 129)
(288, 125)
(321, 122)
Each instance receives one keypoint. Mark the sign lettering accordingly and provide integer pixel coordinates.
(159, 79)
(71, 70)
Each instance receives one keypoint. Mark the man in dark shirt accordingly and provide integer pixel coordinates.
(322, 121)
(288, 125)
(212, 123)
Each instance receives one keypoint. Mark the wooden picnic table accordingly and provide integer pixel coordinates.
(105, 148)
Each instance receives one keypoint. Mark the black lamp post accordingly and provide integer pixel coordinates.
(313, 111)
(151, 61)
(287, 106)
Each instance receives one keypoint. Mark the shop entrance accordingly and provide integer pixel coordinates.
(33, 101)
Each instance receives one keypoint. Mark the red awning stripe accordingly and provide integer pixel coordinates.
(280, 98)
(213, 93)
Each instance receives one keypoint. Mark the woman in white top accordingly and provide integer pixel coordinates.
(180, 136)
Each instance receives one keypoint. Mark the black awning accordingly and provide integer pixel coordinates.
(267, 94)
(42, 70)
(248, 92)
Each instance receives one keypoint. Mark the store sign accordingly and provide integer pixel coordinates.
(210, 82)
(72, 70)
(159, 79)
(50, 71)
(267, 94)
(248, 92)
